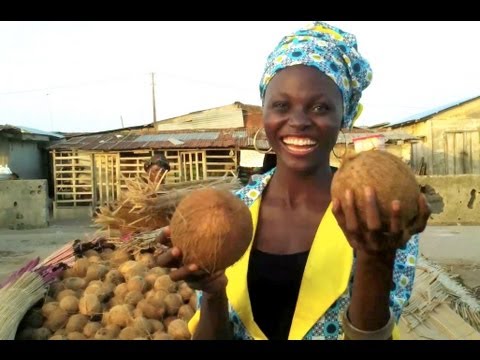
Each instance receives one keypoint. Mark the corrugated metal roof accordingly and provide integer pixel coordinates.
(28, 130)
(390, 136)
(223, 138)
(425, 115)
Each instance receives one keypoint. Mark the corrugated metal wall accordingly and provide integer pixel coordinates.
(25, 159)
(226, 117)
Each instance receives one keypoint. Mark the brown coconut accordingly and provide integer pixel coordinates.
(89, 305)
(33, 319)
(178, 330)
(42, 333)
(390, 178)
(185, 292)
(161, 335)
(185, 313)
(91, 329)
(26, 334)
(76, 335)
(69, 304)
(49, 307)
(212, 228)
(76, 323)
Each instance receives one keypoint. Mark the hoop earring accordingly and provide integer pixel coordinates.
(255, 144)
(346, 149)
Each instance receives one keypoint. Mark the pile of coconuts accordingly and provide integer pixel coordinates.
(390, 178)
(111, 294)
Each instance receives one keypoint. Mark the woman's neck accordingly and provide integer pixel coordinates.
(295, 188)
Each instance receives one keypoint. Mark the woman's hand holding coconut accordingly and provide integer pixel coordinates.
(210, 231)
(378, 216)
(371, 236)
(210, 284)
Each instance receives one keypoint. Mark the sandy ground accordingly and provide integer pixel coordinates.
(455, 247)
(17, 247)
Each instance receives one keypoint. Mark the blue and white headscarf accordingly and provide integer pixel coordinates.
(333, 52)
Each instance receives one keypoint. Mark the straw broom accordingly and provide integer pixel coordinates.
(28, 285)
(17, 299)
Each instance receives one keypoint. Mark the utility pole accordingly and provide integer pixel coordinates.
(121, 120)
(153, 97)
(50, 111)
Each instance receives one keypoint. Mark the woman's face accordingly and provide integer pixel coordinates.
(302, 114)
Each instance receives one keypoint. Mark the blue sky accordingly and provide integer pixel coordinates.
(88, 76)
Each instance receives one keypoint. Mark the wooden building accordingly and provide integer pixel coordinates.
(90, 170)
(450, 138)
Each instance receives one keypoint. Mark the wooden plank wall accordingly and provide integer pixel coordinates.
(73, 178)
(92, 179)
(221, 162)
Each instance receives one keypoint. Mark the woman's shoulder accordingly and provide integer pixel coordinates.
(254, 188)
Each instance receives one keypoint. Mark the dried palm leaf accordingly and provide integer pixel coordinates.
(439, 287)
(148, 205)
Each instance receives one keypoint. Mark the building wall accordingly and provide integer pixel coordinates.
(451, 141)
(26, 160)
(23, 157)
(87, 179)
(454, 199)
(23, 204)
(72, 212)
(402, 150)
(4, 151)
(253, 119)
(225, 117)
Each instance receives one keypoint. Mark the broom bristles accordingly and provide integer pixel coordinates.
(148, 205)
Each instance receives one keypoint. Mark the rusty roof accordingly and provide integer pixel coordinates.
(136, 139)
(150, 139)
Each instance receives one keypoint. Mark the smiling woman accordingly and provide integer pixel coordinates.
(300, 121)
(310, 271)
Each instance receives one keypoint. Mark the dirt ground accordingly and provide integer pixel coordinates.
(457, 248)
(17, 247)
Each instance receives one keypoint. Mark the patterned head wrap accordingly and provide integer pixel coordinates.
(333, 52)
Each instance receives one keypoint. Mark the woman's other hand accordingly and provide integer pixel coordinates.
(371, 237)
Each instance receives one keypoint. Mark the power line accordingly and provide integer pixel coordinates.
(69, 86)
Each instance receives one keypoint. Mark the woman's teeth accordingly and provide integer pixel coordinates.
(299, 146)
(299, 141)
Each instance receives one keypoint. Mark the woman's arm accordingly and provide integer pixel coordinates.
(369, 305)
(214, 321)
(369, 314)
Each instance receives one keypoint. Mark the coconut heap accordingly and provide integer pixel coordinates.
(116, 288)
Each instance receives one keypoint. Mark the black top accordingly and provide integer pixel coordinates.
(273, 284)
